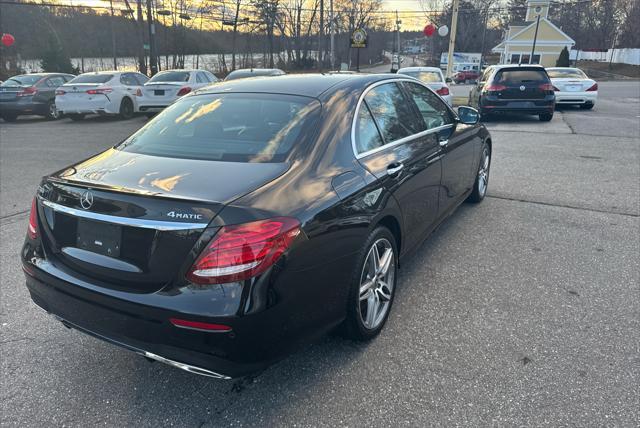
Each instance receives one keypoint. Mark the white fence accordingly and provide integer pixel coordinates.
(623, 56)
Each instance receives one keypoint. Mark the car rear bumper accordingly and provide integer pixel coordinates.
(147, 107)
(541, 106)
(25, 105)
(144, 328)
(98, 105)
(576, 97)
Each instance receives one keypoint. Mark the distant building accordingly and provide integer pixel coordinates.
(518, 39)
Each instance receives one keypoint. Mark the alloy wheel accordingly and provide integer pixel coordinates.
(376, 284)
(53, 111)
(483, 172)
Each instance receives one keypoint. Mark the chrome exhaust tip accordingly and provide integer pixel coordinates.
(186, 367)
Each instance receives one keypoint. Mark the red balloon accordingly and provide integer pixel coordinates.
(8, 39)
(429, 30)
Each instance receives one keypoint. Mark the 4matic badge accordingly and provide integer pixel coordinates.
(184, 216)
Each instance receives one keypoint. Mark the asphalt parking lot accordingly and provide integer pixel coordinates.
(523, 310)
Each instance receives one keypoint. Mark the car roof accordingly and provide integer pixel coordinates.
(309, 85)
(516, 66)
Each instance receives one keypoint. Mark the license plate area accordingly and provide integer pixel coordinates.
(573, 88)
(159, 92)
(101, 238)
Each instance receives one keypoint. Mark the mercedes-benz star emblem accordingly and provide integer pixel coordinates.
(86, 200)
(522, 88)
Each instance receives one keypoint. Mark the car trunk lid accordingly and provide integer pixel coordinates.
(137, 231)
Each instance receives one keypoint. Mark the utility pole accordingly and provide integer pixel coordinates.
(153, 61)
(535, 38)
(321, 37)
(452, 37)
(398, 22)
(113, 38)
(331, 31)
(142, 63)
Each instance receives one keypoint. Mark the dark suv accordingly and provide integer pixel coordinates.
(33, 93)
(523, 89)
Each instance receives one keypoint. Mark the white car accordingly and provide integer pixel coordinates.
(432, 77)
(103, 92)
(167, 86)
(572, 86)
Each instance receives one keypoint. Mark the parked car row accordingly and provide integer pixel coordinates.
(531, 89)
(116, 93)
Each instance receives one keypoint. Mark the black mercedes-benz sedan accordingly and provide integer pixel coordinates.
(252, 217)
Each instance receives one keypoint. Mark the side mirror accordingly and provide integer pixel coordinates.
(468, 115)
(448, 80)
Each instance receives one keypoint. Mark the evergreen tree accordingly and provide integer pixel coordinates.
(55, 59)
(563, 59)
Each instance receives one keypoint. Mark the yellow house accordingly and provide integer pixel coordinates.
(518, 41)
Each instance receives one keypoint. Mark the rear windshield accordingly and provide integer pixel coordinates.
(227, 127)
(92, 78)
(572, 73)
(514, 77)
(171, 76)
(24, 80)
(424, 76)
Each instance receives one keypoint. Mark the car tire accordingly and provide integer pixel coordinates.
(545, 117)
(10, 117)
(368, 310)
(126, 109)
(76, 117)
(481, 183)
(52, 111)
(587, 106)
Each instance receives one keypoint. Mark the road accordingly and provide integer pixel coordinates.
(523, 310)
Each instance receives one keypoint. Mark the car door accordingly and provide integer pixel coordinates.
(131, 87)
(391, 142)
(459, 145)
(49, 90)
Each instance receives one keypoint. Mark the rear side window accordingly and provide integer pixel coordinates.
(92, 78)
(367, 135)
(201, 78)
(128, 79)
(228, 127)
(55, 81)
(392, 112)
(516, 77)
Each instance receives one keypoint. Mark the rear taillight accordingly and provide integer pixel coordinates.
(184, 91)
(495, 88)
(99, 91)
(31, 90)
(593, 88)
(547, 87)
(32, 230)
(59, 92)
(239, 252)
(443, 91)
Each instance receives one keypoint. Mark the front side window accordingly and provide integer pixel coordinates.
(392, 112)
(367, 136)
(433, 110)
(227, 127)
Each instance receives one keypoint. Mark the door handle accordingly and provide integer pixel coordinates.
(443, 143)
(395, 168)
